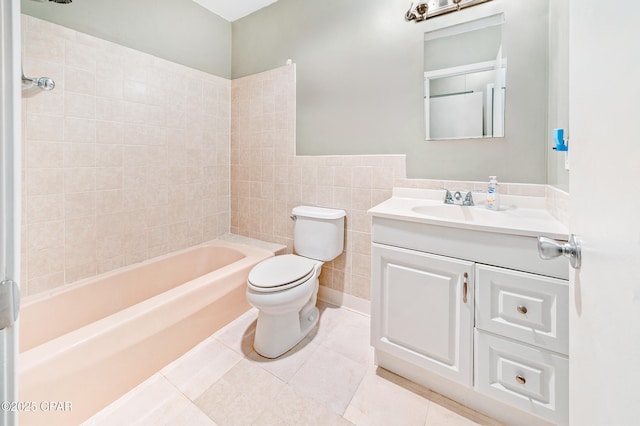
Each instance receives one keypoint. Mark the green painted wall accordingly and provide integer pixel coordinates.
(180, 31)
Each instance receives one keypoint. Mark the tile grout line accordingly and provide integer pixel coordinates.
(191, 402)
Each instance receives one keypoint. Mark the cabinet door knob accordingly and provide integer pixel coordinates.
(521, 380)
(522, 309)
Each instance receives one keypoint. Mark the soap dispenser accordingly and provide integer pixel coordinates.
(493, 197)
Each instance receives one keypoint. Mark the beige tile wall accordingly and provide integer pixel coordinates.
(128, 158)
(558, 204)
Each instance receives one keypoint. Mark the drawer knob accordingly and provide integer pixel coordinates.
(522, 309)
(521, 380)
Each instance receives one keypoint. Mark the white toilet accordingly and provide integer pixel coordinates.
(284, 288)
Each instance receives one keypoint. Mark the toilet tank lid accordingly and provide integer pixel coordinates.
(318, 212)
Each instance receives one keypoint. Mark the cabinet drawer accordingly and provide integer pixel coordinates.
(526, 307)
(532, 379)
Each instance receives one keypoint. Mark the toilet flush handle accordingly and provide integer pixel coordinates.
(293, 217)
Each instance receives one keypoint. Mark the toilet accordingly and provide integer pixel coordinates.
(284, 288)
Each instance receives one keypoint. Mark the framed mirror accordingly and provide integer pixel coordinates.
(465, 72)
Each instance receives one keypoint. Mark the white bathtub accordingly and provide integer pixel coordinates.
(87, 344)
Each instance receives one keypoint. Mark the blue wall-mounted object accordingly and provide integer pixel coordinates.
(558, 136)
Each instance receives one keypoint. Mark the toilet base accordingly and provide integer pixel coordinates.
(276, 334)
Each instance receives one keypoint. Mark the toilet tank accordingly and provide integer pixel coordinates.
(318, 232)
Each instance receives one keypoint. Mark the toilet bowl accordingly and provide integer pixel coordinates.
(284, 288)
(287, 310)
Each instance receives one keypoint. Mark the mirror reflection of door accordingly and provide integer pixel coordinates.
(465, 80)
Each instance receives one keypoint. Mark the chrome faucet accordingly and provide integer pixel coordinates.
(448, 198)
(457, 199)
(468, 199)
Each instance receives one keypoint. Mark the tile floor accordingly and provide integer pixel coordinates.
(327, 379)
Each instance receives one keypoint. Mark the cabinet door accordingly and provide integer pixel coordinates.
(422, 310)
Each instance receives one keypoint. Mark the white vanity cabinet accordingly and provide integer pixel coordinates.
(477, 308)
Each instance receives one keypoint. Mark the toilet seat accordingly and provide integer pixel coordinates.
(280, 273)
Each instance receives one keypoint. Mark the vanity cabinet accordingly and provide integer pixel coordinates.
(476, 308)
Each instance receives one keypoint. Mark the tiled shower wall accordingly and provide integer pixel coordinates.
(127, 159)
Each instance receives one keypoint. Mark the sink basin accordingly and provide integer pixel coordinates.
(457, 213)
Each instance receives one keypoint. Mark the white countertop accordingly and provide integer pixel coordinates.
(518, 215)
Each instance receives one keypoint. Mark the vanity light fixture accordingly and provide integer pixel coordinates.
(427, 9)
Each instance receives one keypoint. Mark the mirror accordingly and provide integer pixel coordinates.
(465, 80)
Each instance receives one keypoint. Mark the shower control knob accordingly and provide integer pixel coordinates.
(45, 83)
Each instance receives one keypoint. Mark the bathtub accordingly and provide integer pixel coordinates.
(85, 345)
